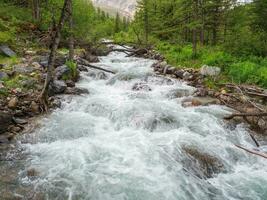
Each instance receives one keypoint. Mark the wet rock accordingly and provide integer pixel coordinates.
(210, 71)
(186, 75)
(179, 74)
(19, 121)
(202, 164)
(3, 75)
(62, 71)
(12, 104)
(141, 86)
(4, 49)
(76, 91)
(5, 121)
(101, 76)
(14, 129)
(178, 93)
(82, 68)
(32, 172)
(200, 101)
(70, 83)
(34, 107)
(91, 58)
(57, 87)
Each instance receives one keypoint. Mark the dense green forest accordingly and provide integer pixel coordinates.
(190, 33)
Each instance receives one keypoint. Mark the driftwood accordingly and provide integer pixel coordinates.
(263, 114)
(83, 62)
(264, 155)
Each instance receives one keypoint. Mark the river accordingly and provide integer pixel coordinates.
(127, 140)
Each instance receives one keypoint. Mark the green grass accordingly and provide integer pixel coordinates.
(249, 69)
(74, 72)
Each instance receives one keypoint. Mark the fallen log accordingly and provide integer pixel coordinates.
(84, 62)
(257, 153)
(257, 94)
(263, 114)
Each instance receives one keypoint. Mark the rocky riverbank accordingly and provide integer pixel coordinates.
(21, 83)
(246, 99)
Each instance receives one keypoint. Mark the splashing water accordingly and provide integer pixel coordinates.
(117, 143)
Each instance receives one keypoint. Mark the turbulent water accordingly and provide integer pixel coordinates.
(117, 143)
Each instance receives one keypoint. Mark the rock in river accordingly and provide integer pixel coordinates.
(5, 121)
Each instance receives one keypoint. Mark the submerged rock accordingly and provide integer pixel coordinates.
(141, 86)
(202, 164)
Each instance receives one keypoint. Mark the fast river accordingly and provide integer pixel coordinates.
(131, 139)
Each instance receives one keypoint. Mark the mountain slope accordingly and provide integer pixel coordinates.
(124, 7)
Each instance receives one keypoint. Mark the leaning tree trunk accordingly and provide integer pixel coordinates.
(36, 13)
(71, 38)
(51, 61)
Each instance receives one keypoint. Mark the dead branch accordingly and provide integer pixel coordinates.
(84, 62)
(263, 114)
(264, 155)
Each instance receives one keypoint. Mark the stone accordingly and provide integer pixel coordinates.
(186, 75)
(7, 51)
(91, 58)
(210, 71)
(32, 172)
(70, 83)
(62, 71)
(12, 104)
(3, 75)
(34, 107)
(178, 93)
(36, 65)
(202, 164)
(58, 87)
(22, 69)
(5, 121)
(101, 76)
(30, 53)
(179, 74)
(82, 68)
(19, 121)
(76, 91)
(60, 60)
(141, 86)
(199, 101)
(15, 129)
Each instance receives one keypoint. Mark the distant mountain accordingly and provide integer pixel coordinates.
(124, 7)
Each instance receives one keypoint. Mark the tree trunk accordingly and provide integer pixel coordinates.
(36, 10)
(71, 38)
(51, 61)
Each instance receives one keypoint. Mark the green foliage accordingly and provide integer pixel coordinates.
(74, 72)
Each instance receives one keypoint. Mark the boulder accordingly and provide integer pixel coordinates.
(210, 71)
(57, 87)
(12, 104)
(76, 91)
(3, 75)
(178, 93)
(82, 68)
(60, 60)
(202, 164)
(34, 107)
(19, 121)
(7, 51)
(91, 58)
(200, 101)
(5, 121)
(62, 71)
(70, 83)
(22, 69)
(141, 86)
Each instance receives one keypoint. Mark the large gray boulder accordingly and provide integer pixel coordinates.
(62, 71)
(7, 51)
(22, 69)
(5, 121)
(57, 87)
(210, 71)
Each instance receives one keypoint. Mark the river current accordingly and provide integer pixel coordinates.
(125, 143)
